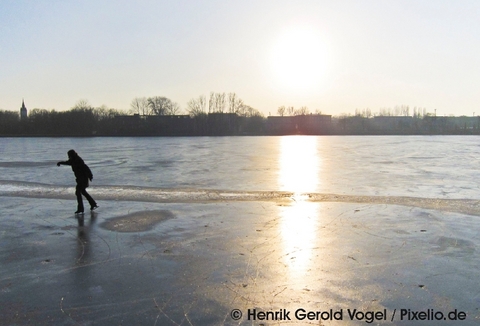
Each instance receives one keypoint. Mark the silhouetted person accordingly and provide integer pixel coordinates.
(82, 174)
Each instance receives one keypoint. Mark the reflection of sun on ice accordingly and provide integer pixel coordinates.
(299, 60)
(299, 164)
(299, 172)
(298, 229)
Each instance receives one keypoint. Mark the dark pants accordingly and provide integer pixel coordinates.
(80, 190)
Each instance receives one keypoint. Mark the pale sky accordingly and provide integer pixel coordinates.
(334, 56)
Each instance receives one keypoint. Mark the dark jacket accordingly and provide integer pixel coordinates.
(80, 169)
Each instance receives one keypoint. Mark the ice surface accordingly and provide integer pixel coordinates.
(199, 261)
(158, 195)
(189, 229)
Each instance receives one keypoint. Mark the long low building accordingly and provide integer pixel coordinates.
(311, 124)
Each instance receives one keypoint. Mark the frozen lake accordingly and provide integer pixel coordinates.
(425, 166)
(197, 231)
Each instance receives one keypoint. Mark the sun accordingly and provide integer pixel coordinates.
(299, 60)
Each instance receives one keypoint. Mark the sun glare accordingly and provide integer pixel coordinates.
(299, 165)
(299, 60)
(298, 229)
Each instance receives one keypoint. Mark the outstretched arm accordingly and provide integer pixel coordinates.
(64, 163)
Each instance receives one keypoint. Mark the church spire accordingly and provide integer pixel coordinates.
(23, 111)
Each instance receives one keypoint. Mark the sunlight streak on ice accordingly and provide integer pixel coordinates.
(299, 173)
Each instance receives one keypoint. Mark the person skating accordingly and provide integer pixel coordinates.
(82, 174)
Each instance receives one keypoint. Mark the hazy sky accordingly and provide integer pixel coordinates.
(335, 56)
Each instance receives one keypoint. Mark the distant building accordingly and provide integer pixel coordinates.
(312, 124)
(23, 111)
(394, 124)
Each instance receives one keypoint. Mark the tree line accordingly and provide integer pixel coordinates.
(291, 111)
(150, 117)
(220, 114)
(82, 119)
(201, 105)
(397, 111)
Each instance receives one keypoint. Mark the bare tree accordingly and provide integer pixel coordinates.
(302, 111)
(235, 105)
(139, 105)
(174, 109)
(159, 105)
(385, 112)
(82, 105)
(211, 103)
(290, 110)
(281, 110)
(103, 113)
(251, 112)
(419, 112)
(217, 102)
(220, 102)
(365, 113)
(198, 106)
